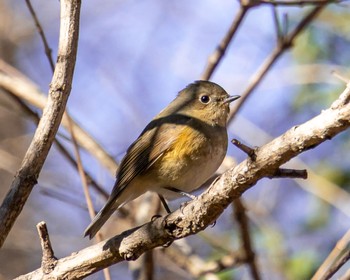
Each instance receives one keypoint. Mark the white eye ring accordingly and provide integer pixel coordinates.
(205, 99)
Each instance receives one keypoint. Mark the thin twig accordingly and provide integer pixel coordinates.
(244, 148)
(49, 260)
(48, 50)
(280, 172)
(283, 45)
(277, 24)
(81, 173)
(44, 136)
(290, 173)
(32, 114)
(241, 218)
(333, 255)
(18, 84)
(89, 203)
(219, 52)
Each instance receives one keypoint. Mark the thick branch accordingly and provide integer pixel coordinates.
(60, 87)
(206, 208)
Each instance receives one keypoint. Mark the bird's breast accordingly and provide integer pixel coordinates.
(192, 158)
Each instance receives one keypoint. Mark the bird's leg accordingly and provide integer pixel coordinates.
(180, 192)
(165, 205)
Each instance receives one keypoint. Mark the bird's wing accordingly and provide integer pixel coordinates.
(153, 142)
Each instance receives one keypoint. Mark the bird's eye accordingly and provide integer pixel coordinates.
(205, 99)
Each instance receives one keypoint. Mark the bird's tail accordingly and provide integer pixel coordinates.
(101, 218)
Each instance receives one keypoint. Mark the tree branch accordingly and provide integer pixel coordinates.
(206, 208)
(285, 41)
(49, 260)
(247, 247)
(35, 117)
(19, 85)
(47, 48)
(218, 54)
(341, 245)
(60, 87)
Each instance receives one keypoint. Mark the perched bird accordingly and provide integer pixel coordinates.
(177, 152)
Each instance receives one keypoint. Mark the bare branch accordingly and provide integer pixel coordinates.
(60, 87)
(16, 83)
(341, 245)
(283, 44)
(247, 248)
(49, 260)
(84, 182)
(290, 173)
(219, 52)
(59, 145)
(206, 208)
(48, 50)
(280, 172)
(244, 148)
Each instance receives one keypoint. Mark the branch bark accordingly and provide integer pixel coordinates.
(196, 215)
(60, 88)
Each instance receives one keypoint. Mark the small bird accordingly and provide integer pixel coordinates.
(178, 151)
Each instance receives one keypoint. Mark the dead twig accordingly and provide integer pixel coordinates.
(89, 203)
(35, 117)
(284, 43)
(215, 58)
(48, 50)
(18, 84)
(49, 260)
(280, 172)
(341, 245)
(247, 248)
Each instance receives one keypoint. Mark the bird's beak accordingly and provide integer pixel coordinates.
(231, 98)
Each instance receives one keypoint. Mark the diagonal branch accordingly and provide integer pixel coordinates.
(19, 85)
(218, 54)
(38, 150)
(284, 43)
(206, 208)
(35, 117)
(48, 50)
